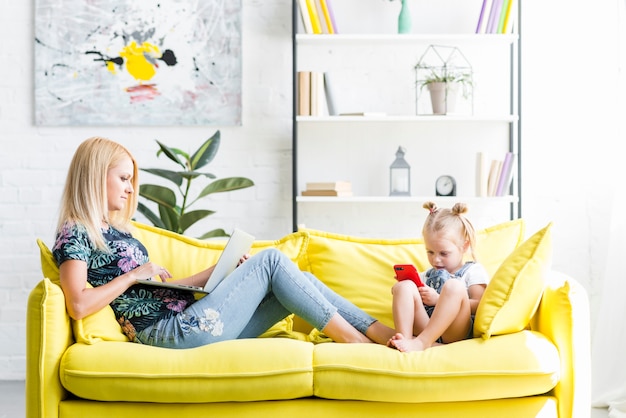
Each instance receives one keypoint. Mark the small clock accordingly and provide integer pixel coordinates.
(445, 186)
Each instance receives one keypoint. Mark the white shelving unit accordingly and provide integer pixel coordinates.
(374, 73)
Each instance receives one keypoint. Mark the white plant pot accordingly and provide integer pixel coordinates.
(443, 97)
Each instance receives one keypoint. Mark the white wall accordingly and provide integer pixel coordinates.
(567, 143)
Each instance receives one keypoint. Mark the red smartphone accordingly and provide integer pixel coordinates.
(408, 272)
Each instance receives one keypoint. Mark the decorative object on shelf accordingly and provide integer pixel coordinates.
(175, 217)
(404, 18)
(445, 186)
(400, 175)
(443, 70)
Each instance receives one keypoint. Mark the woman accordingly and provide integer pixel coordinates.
(93, 244)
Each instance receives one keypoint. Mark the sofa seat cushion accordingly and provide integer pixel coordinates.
(513, 365)
(237, 370)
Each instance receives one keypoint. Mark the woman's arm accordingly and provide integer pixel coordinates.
(200, 279)
(82, 301)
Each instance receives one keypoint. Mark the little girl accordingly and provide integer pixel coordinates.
(443, 310)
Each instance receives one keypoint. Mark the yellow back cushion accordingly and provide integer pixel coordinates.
(183, 256)
(361, 269)
(513, 294)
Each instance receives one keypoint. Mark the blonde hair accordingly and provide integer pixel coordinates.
(453, 223)
(84, 200)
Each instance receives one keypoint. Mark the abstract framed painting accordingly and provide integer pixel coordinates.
(129, 62)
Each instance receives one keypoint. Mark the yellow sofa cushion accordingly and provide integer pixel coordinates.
(513, 294)
(361, 269)
(236, 370)
(506, 366)
(184, 256)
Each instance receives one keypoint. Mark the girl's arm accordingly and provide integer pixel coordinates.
(82, 301)
(475, 292)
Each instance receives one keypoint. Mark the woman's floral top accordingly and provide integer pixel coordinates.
(140, 306)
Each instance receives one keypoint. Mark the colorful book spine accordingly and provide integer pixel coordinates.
(315, 20)
(304, 93)
(494, 14)
(483, 17)
(504, 8)
(326, 13)
(508, 17)
(306, 19)
(331, 15)
(506, 174)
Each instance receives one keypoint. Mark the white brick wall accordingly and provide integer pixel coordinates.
(562, 177)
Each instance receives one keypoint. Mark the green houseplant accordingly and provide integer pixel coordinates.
(175, 216)
(444, 71)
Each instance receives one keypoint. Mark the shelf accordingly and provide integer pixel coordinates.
(418, 118)
(405, 199)
(394, 39)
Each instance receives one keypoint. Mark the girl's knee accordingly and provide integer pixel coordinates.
(404, 286)
(454, 286)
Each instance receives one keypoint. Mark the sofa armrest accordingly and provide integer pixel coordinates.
(563, 316)
(48, 335)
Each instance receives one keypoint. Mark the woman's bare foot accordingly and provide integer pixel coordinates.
(406, 345)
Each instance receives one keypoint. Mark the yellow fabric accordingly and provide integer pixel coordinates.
(563, 317)
(534, 406)
(48, 333)
(48, 264)
(184, 256)
(236, 370)
(361, 269)
(513, 294)
(513, 365)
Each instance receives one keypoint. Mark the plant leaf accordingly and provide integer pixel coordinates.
(173, 176)
(151, 216)
(172, 153)
(192, 217)
(214, 233)
(159, 194)
(226, 185)
(190, 175)
(206, 152)
(170, 218)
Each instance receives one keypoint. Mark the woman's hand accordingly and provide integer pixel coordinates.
(243, 259)
(151, 270)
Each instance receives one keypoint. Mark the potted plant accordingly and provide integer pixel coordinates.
(175, 216)
(444, 86)
(445, 72)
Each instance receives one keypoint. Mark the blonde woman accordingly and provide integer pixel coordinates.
(94, 245)
(443, 310)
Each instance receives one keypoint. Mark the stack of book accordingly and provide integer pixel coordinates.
(495, 176)
(317, 16)
(331, 188)
(497, 16)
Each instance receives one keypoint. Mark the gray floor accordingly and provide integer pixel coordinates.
(12, 401)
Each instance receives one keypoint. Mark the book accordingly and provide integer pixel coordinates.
(506, 174)
(504, 7)
(317, 94)
(329, 91)
(330, 185)
(371, 114)
(328, 16)
(484, 16)
(337, 193)
(482, 174)
(507, 27)
(494, 15)
(304, 15)
(304, 93)
(494, 174)
(315, 20)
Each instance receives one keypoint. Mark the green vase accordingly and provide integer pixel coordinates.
(404, 18)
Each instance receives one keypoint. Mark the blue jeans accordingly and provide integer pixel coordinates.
(265, 289)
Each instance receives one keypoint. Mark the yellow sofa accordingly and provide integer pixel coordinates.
(529, 358)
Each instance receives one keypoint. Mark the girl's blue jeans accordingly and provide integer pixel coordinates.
(263, 290)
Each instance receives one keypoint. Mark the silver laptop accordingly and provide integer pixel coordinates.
(238, 244)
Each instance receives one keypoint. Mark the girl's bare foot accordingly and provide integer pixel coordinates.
(407, 344)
